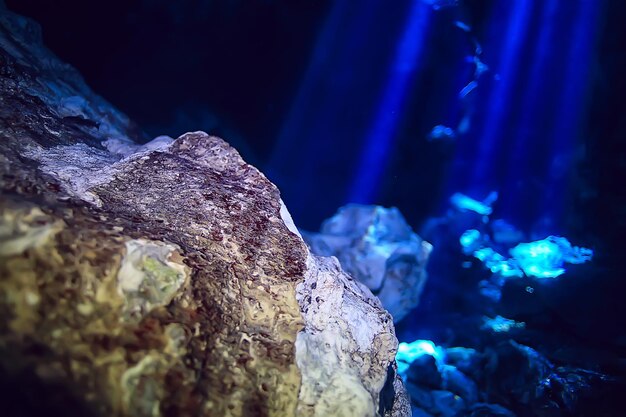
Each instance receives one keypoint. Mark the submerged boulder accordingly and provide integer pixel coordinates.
(378, 247)
(165, 278)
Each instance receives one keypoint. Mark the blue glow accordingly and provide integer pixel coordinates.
(572, 103)
(381, 136)
(521, 163)
(408, 352)
(441, 4)
(485, 254)
(440, 132)
(501, 324)
(469, 239)
(463, 26)
(539, 259)
(504, 268)
(506, 233)
(545, 258)
(468, 88)
(498, 107)
(465, 203)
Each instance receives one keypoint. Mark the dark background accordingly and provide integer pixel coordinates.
(233, 68)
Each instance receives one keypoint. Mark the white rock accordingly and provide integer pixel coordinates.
(346, 347)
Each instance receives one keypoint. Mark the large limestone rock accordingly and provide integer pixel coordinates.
(165, 278)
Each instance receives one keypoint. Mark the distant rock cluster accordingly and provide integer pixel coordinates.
(505, 380)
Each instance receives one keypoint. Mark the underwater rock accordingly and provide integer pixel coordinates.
(515, 370)
(420, 397)
(447, 404)
(490, 410)
(394, 398)
(457, 382)
(499, 324)
(376, 246)
(545, 258)
(464, 359)
(161, 279)
(510, 373)
(424, 372)
(346, 346)
(45, 100)
(419, 412)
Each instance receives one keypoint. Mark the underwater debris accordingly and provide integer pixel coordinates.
(441, 132)
(463, 202)
(468, 89)
(463, 26)
(499, 324)
(540, 259)
(545, 258)
(441, 4)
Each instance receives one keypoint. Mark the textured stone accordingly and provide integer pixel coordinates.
(423, 371)
(190, 285)
(164, 278)
(379, 249)
(346, 345)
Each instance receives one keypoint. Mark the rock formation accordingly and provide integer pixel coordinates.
(164, 278)
(378, 247)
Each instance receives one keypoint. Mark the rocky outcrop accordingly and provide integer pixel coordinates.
(378, 247)
(164, 278)
(348, 340)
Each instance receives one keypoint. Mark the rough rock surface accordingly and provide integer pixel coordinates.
(378, 247)
(341, 316)
(163, 279)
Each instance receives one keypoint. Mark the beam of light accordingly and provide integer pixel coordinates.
(573, 100)
(518, 167)
(498, 103)
(319, 57)
(378, 142)
(408, 352)
(323, 112)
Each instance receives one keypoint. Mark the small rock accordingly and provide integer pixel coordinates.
(423, 371)
(447, 403)
(464, 359)
(459, 383)
(419, 396)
